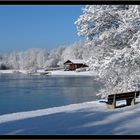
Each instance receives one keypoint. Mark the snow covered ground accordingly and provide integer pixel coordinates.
(54, 73)
(6, 71)
(61, 72)
(84, 118)
(12, 71)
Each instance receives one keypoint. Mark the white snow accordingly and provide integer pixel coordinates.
(41, 70)
(53, 73)
(83, 118)
(6, 71)
(11, 71)
(42, 112)
(63, 73)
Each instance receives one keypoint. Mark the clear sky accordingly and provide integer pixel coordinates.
(44, 26)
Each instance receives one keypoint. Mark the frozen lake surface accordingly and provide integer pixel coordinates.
(19, 92)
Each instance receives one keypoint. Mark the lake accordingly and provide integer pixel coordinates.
(19, 92)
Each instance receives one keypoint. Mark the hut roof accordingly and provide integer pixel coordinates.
(75, 61)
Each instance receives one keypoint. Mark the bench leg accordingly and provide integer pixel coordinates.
(111, 106)
(130, 101)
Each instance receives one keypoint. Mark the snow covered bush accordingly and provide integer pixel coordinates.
(113, 33)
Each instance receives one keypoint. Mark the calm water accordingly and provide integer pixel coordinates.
(24, 93)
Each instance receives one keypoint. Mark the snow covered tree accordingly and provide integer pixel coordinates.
(31, 59)
(34, 58)
(13, 60)
(73, 51)
(54, 57)
(113, 33)
(42, 57)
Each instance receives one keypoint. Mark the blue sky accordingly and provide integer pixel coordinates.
(44, 26)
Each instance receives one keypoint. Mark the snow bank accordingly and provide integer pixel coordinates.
(84, 118)
(42, 112)
(13, 71)
(40, 70)
(63, 73)
(6, 71)
(54, 73)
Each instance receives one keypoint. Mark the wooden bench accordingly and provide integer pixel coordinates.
(130, 98)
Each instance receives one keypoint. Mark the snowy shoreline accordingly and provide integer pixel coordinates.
(12, 71)
(41, 112)
(53, 73)
(83, 118)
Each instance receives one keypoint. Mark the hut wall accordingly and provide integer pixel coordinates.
(75, 66)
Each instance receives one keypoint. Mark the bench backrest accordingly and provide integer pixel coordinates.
(123, 96)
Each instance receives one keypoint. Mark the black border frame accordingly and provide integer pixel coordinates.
(68, 2)
(71, 137)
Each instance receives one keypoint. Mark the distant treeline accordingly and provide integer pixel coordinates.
(38, 58)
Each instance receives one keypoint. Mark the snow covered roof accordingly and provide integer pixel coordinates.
(76, 61)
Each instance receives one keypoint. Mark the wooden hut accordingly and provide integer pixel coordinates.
(74, 64)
